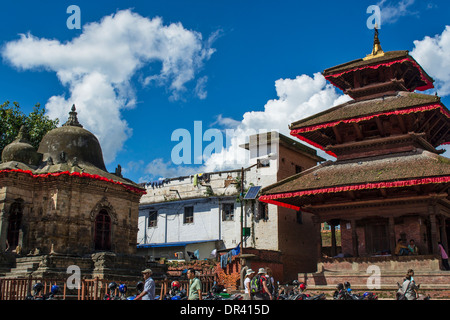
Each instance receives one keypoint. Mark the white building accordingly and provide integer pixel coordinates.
(199, 213)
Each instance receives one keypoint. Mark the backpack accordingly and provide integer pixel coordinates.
(256, 284)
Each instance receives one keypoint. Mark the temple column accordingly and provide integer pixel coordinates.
(443, 232)
(434, 238)
(392, 240)
(316, 224)
(333, 224)
(333, 240)
(354, 238)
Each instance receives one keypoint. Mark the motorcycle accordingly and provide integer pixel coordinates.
(297, 292)
(344, 292)
(111, 295)
(37, 288)
(218, 292)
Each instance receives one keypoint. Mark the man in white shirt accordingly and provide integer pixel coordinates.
(149, 287)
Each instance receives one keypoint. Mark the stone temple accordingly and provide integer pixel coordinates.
(59, 207)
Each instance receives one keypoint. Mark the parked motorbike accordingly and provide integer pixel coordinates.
(344, 292)
(37, 288)
(111, 295)
(296, 293)
(139, 289)
(218, 292)
(175, 292)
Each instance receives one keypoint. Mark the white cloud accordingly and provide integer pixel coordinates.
(200, 88)
(158, 168)
(391, 12)
(433, 54)
(97, 67)
(297, 99)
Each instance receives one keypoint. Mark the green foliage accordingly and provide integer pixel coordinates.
(37, 124)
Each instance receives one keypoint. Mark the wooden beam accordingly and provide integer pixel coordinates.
(438, 130)
(427, 121)
(402, 124)
(380, 126)
(392, 240)
(354, 238)
(337, 134)
(433, 226)
(358, 131)
(442, 139)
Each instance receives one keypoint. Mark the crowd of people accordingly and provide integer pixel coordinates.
(261, 285)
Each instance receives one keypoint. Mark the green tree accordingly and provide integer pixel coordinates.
(37, 124)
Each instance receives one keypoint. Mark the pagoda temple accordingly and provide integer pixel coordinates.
(389, 180)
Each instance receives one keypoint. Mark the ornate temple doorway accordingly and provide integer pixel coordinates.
(102, 236)
(14, 224)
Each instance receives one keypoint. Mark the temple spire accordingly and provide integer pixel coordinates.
(73, 120)
(376, 51)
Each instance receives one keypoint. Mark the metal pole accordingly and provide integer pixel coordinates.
(242, 210)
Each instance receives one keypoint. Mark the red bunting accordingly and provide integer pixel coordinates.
(429, 84)
(77, 174)
(272, 198)
(297, 132)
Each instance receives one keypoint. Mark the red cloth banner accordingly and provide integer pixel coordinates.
(272, 198)
(297, 132)
(429, 84)
(77, 174)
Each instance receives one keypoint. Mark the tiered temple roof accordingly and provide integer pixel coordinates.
(385, 138)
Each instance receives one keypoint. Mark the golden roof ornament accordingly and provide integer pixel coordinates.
(376, 51)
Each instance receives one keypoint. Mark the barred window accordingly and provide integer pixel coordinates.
(188, 215)
(152, 218)
(227, 211)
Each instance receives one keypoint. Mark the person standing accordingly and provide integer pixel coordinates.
(195, 286)
(444, 256)
(248, 277)
(262, 292)
(149, 287)
(270, 281)
(409, 288)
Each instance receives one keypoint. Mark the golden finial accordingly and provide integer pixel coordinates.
(376, 51)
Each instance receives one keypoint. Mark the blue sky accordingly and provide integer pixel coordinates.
(140, 70)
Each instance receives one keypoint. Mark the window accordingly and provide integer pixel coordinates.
(188, 215)
(263, 211)
(102, 236)
(152, 218)
(298, 169)
(227, 211)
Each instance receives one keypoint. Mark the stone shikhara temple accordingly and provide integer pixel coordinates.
(59, 207)
(389, 180)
